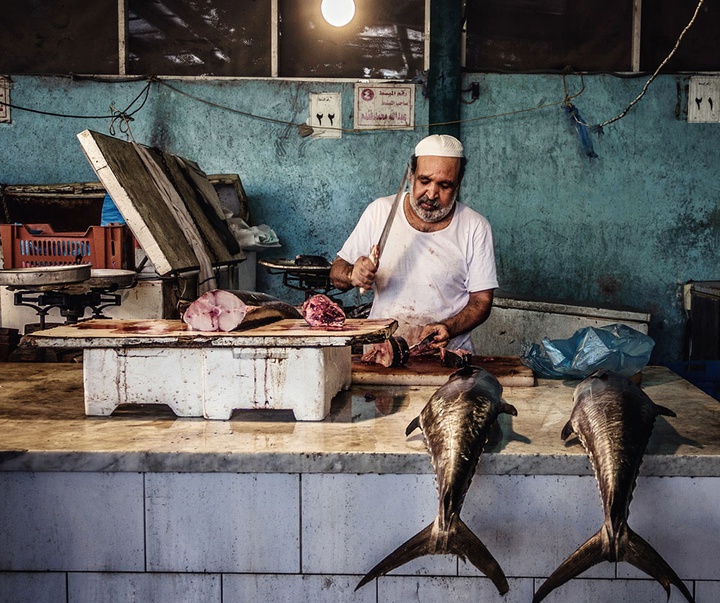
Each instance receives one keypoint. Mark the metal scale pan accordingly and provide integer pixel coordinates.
(310, 274)
(44, 276)
(71, 289)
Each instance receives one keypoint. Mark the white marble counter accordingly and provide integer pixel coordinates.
(43, 428)
(104, 508)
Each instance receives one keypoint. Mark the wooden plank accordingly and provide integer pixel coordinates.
(428, 371)
(175, 333)
(124, 176)
(134, 191)
(187, 176)
(636, 29)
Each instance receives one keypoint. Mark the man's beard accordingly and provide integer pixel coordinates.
(431, 215)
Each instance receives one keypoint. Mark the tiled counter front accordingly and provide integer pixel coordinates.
(142, 529)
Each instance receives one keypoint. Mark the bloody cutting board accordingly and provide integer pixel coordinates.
(426, 370)
(102, 332)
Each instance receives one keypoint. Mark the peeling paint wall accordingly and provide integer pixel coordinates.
(625, 228)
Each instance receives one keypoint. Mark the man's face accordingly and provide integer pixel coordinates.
(435, 187)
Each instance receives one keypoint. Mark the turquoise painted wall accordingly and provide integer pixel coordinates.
(626, 228)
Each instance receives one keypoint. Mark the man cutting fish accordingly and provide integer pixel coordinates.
(436, 272)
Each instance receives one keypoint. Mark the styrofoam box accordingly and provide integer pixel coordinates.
(212, 382)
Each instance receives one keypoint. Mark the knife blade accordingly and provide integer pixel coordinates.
(423, 342)
(377, 249)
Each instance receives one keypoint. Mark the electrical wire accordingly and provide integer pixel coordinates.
(362, 131)
(632, 103)
(124, 117)
(245, 113)
(113, 115)
(566, 99)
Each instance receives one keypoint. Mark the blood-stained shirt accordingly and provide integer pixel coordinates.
(425, 277)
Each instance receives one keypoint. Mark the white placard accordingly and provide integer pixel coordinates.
(326, 115)
(384, 106)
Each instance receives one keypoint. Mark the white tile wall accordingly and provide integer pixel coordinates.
(612, 591)
(707, 592)
(71, 521)
(144, 588)
(294, 589)
(223, 522)
(393, 589)
(680, 518)
(351, 522)
(230, 538)
(531, 524)
(21, 587)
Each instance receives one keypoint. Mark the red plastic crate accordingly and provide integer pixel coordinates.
(32, 245)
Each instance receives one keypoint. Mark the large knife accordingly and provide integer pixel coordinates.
(377, 249)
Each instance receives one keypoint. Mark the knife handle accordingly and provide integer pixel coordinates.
(374, 259)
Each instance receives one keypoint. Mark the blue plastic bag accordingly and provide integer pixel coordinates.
(110, 213)
(617, 347)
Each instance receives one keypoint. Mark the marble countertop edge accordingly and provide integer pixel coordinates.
(332, 462)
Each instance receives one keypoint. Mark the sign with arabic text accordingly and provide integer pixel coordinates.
(384, 106)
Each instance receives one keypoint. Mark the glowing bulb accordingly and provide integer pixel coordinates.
(338, 12)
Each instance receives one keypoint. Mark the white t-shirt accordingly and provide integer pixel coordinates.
(425, 277)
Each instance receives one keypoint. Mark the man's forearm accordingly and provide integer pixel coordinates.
(341, 274)
(472, 315)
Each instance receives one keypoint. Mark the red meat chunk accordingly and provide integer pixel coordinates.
(320, 311)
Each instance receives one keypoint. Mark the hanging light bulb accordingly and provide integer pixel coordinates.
(338, 12)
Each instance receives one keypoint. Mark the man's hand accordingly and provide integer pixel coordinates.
(442, 335)
(472, 315)
(345, 276)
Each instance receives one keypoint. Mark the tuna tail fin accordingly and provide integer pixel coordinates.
(588, 554)
(417, 546)
(466, 544)
(461, 542)
(639, 553)
(633, 550)
(412, 426)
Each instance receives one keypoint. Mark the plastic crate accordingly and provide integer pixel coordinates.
(703, 374)
(33, 245)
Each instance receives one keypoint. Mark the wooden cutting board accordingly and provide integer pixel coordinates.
(174, 333)
(424, 370)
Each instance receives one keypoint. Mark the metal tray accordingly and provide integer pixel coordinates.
(103, 278)
(292, 266)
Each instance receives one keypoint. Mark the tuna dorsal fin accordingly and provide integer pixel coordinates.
(639, 553)
(566, 431)
(662, 410)
(508, 409)
(465, 371)
(589, 554)
(412, 426)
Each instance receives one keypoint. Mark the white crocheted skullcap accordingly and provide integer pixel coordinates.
(439, 145)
